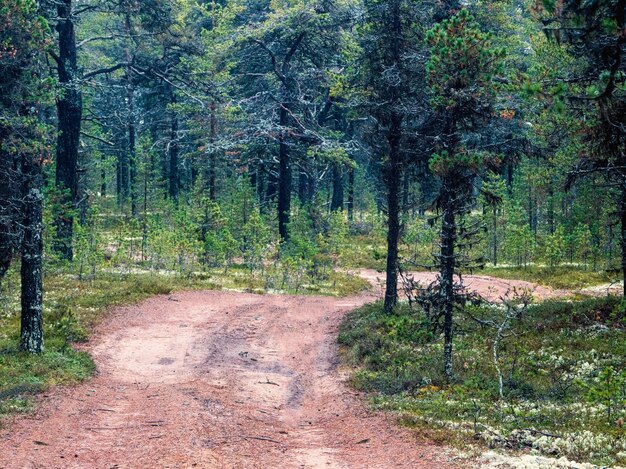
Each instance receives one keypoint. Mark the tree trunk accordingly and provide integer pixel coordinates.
(174, 180)
(122, 177)
(132, 166)
(103, 176)
(623, 234)
(284, 180)
(447, 264)
(337, 201)
(211, 179)
(131, 129)
(551, 223)
(31, 339)
(351, 194)
(303, 187)
(393, 179)
(69, 112)
(495, 236)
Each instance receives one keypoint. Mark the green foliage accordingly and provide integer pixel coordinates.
(463, 63)
(608, 389)
(555, 247)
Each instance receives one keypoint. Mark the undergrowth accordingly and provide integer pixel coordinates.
(563, 366)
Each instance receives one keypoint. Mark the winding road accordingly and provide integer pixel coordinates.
(219, 380)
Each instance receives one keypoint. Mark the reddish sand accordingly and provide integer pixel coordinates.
(219, 380)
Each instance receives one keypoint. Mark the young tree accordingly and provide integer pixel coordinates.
(461, 73)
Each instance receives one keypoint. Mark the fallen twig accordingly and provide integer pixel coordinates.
(269, 382)
(262, 438)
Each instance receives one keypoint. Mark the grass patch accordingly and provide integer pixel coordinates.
(562, 277)
(563, 365)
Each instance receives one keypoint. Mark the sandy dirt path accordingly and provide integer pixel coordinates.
(491, 288)
(221, 380)
(216, 380)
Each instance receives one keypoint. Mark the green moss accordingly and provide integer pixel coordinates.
(560, 361)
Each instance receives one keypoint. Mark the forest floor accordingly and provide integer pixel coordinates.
(221, 379)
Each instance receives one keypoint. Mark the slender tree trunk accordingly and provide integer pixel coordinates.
(623, 233)
(69, 112)
(406, 192)
(174, 179)
(393, 179)
(31, 339)
(495, 236)
(132, 164)
(447, 264)
(303, 186)
(284, 180)
(103, 177)
(551, 224)
(337, 201)
(123, 180)
(131, 128)
(211, 179)
(351, 194)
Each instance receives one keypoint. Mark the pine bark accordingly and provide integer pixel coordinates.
(337, 201)
(447, 265)
(69, 112)
(284, 180)
(351, 194)
(174, 179)
(394, 186)
(31, 337)
(623, 234)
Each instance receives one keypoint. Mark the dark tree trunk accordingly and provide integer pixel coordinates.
(132, 166)
(406, 189)
(69, 111)
(351, 194)
(211, 175)
(303, 187)
(122, 176)
(447, 264)
(271, 186)
(131, 129)
(393, 180)
(551, 227)
(623, 233)
(337, 201)
(495, 236)
(31, 338)
(509, 178)
(174, 179)
(103, 176)
(284, 180)
(393, 118)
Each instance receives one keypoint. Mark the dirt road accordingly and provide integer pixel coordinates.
(491, 288)
(217, 380)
